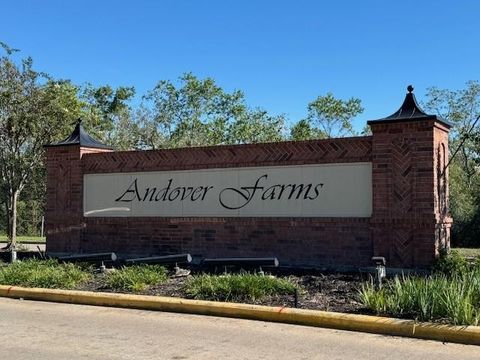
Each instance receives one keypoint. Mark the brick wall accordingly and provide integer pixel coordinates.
(406, 226)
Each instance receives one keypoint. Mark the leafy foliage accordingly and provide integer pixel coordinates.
(303, 130)
(108, 115)
(33, 111)
(462, 109)
(327, 117)
(237, 287)
(451, 263)
(197, 112)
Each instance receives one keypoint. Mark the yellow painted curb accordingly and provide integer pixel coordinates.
(363, 323)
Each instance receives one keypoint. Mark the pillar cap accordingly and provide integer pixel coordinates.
(409, 111)
(81, 138)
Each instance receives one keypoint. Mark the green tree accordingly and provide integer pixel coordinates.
(34, 110)
(256, 126)
(198, 112)
(462, 109)
(327, 117)
(303, 130)
(108, 115)
(195, 113)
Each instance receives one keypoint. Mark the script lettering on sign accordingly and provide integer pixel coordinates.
(307, 191)
(136, 192)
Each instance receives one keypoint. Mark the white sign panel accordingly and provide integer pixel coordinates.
(326, 190)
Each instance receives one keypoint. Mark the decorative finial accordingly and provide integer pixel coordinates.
(410, 88)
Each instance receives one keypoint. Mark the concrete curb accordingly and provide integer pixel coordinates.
(364, 323)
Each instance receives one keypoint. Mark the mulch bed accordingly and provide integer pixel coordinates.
(328, 292)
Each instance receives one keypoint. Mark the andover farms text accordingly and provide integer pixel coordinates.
(259, 190)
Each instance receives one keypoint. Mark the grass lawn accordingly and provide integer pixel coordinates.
(25, 239)
(468, 252)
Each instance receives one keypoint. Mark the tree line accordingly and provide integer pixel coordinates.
(36, 108)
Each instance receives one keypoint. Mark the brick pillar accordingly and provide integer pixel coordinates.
(63, 213)
(64, 222)
(64, 209)
(410, 220)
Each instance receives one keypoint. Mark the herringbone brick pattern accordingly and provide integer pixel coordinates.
(356, 149)
(402, 248)
(402, 176)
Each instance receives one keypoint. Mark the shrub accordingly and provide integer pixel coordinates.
(451, 263)
(455, 298)
(136, 277)
(237, 287)
(43, 274)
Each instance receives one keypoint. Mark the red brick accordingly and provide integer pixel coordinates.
(404, 231)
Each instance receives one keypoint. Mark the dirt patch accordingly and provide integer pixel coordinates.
(329, 292)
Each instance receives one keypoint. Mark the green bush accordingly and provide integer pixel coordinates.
(136, 277)
(451, 263)
(454, 298)
(237, 287)
(43, 274)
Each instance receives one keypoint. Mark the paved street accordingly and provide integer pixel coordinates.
(38, 331)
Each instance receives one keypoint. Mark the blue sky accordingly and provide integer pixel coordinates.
(282, 54)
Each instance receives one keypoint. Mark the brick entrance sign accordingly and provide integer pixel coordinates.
(321, 203)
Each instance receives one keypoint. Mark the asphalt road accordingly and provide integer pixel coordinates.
(39, 330)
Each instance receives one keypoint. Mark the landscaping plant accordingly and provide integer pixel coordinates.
(237, 287)
(136, 278)
(43, 274)
(451, 294)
